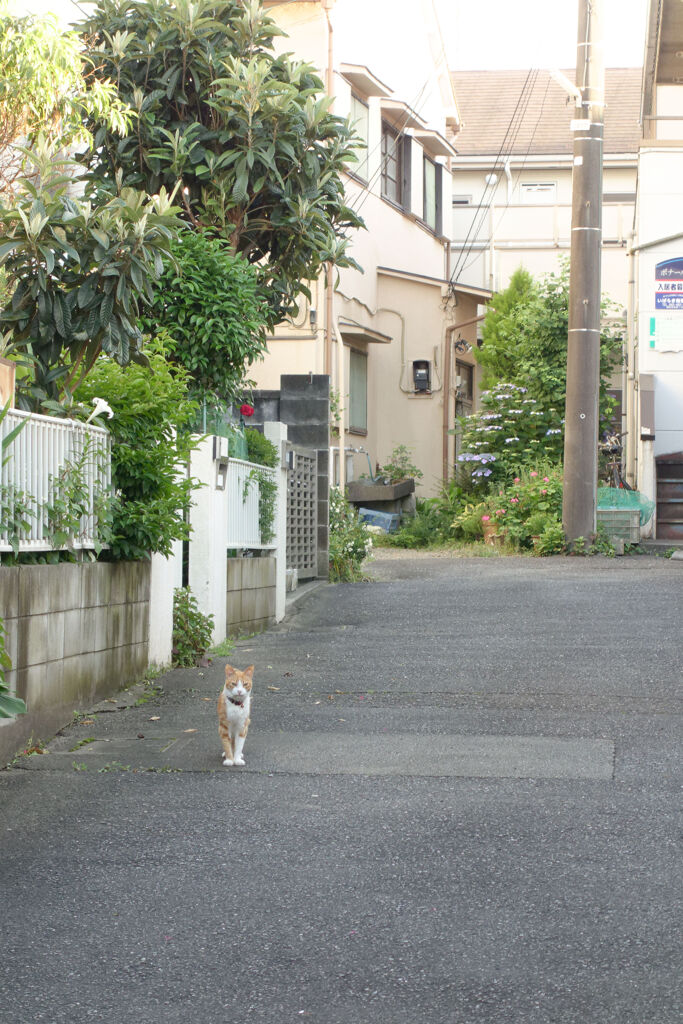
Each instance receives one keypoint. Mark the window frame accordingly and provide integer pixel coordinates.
(397, 158)
(427, 162)
(527, 197)
(360, 169)
(437, 226)
(358, 428)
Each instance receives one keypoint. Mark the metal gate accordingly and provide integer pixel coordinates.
(302, 511)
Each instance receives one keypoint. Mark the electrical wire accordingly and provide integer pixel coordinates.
(491, 185)
(516, 183)
(484, 206)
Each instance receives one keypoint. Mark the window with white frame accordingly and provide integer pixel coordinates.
(429, 193)
(359, 116)
(391, 164)
(358, 391)
(534, 192)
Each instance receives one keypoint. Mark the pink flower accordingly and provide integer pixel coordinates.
(516, 479)
(546, 479)
(544, 491)
(514, 501)
(533, 473)
(485, 519)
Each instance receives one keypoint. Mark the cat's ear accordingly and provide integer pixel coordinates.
(229, 671)
(249, 671)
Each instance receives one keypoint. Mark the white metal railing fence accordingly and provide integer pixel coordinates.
(245, 504)
(54, 467)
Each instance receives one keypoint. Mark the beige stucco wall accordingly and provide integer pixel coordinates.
(409, 310)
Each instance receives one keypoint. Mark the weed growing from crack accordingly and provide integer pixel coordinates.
(82, 743)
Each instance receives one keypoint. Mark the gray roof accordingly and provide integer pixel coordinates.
(487, 101)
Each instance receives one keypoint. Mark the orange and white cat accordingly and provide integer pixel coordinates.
(234, 705)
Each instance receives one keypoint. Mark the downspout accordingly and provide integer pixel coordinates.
(448, 340)
(340, 386)
(629, 385)
(447, 246)
(329, 295)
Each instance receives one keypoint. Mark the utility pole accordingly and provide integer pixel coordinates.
(583, 345)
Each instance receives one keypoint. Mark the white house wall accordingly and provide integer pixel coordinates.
(535, 236)
(660, 351)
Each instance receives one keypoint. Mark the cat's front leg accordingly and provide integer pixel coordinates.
(239, 745)
(228, 756)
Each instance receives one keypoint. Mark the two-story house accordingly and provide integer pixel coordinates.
(512, 179)
(394, 338)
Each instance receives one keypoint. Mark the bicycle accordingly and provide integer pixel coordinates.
(612, 447)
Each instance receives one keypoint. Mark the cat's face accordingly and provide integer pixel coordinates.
(238, 684)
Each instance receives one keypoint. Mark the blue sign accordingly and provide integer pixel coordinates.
(669, 284)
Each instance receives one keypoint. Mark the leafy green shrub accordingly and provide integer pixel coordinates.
(350, 541)
(511, 430)
(531, 507)
(399, 467)
(150, 444)
(525, 339)
(247, 133)
(432, 523)
(79, 269)
(192, 630)
(468, 524)
(264, 452)
(260, 449)
(9, 706)
(213, 308)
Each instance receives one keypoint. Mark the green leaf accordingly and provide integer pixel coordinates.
(106, 309)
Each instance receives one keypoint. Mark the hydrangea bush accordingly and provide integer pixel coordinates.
(350, 541)
(527, 513)
(511, 430)
(529, 510)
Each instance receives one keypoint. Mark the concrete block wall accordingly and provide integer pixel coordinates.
(74, 633)
(303, 404)
(250, 595)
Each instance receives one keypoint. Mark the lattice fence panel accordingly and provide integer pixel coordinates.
(302, 514)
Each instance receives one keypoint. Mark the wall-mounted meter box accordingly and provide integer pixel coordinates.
(422, 375)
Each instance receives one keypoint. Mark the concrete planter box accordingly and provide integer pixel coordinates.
(75, 633)
(360, 493)
(393, 498)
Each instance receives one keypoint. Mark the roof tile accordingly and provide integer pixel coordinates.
(522, 112)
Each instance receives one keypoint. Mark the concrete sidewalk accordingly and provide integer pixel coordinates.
(460, 804)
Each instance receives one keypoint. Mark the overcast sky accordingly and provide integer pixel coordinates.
(498, 33)
(535, 33)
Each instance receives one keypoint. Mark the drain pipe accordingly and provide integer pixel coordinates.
(340, 387)
(630, 374)
(329, 295)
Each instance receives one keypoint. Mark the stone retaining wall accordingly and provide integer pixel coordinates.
(75, 633)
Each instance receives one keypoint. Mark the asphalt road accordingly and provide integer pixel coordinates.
(461, 804)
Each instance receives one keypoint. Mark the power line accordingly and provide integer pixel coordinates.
(492, 184)
(519, 174)
(482, 209)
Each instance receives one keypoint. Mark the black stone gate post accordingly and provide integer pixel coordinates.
(303, 403)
